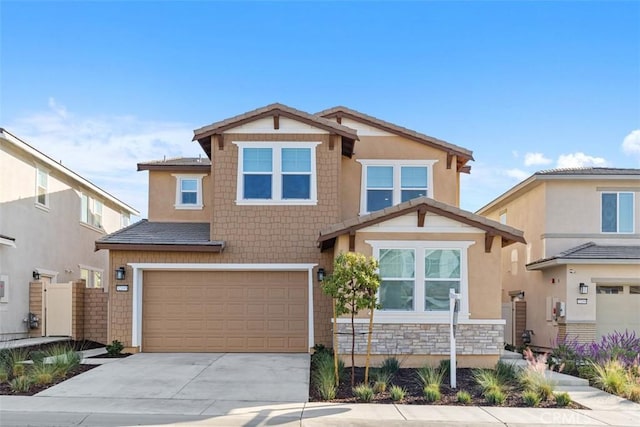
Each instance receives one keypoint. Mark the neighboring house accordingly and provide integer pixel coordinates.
(50, 218)
(230, 257)
(580, 271)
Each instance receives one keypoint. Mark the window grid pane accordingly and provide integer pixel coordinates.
(436, 294)
(296, 187)
(380, 177)
(442, 264)
(413, 177)
(257, 160)
(397, 263)
(609, 212)
(257, 186)
(397, 295)
(625, 213)
(296, 160)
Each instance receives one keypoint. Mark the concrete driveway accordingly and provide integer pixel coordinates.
(264, 378)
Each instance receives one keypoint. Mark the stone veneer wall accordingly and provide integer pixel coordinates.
(424, 339)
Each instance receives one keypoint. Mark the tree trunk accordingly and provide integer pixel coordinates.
(353, 349)
(366, 364)
(335, 342)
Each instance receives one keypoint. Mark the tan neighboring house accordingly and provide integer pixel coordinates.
(235, 245)
(579, 273)
(50, 218)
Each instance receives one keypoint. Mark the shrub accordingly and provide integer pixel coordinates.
(506, 373)
(487, 379)
(18, 370)
(390, 365)
(381, 380)
(432, 392)
(463, 397)
(4, 375)
(610, 376)
(323, 376)
(363, 392)
(495, 396)
(428, 375)
(562, 399)
(20, 384)
(531, 398)
(43, 374)
(38, 357)
(115, 348)
(397, 393)
(533, 378)
(633, 392)
(445, 367)
(12, 357)
(379, 386)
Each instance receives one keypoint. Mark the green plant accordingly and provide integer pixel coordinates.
(445, 366)
(12, 357)
(487, 379)
(562, 399)
(463, 397)
(432, 392)
(115, 348)
(363, 392)
(20, 384)
(381, 380)
(506, 373)
(354, 285)
(545, 389)
(18, 370)
(63, 358)
(633, 392)
(397, 393)
(428, 375)
(4, 375)
(495, 396)
(38, 357)
(42, 374)
(531, 398)
(610, 377)
(325, 382)
(390, 365)
(379, 386)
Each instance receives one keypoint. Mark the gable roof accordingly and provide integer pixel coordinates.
(203, 135)
(162, 236)
(561, 174)
(422, 205)
(338, 112)
(54, 165)
(591, 253)
(177, 163)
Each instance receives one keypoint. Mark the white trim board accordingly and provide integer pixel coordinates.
(138, 287)
(379, 319)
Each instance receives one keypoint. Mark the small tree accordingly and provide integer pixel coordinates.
(353, 286)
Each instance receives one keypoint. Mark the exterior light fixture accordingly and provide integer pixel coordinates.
(36, 275)
(320, 274)
(584, 289)
(120, 273)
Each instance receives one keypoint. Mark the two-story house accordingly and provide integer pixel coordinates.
(233, 252)
(579, 273)
(50, 218)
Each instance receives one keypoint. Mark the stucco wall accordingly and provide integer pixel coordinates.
(445, 181)
(52, 240)
(162, 198)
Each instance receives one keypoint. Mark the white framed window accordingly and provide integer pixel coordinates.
(503, 217)
(189, 191)
(617, 212)
(416, 278)
(125, 220)
(92, 276)
(277, 173)
(90, 211)
(390, 182)
(42, 187)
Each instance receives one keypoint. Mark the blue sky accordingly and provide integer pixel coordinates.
(525, 85)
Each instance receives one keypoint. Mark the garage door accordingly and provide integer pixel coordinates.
(239, 311)
(617, 309)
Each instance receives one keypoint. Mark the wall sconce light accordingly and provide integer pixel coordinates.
(36, 275)
(320, 274)
(120, 273)
(584, 289)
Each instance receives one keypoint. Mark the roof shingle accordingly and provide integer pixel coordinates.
(592, 251)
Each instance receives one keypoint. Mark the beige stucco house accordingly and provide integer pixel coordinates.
(580, 270)
(229, 257)
(50, 218)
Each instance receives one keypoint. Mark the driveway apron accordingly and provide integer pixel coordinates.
(259, 377)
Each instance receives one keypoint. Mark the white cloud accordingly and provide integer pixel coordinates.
(536, 159)
(579, 160)
(106, 149)
(518, 174)
(631, 143)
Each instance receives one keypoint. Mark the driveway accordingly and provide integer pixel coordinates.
(264, 377)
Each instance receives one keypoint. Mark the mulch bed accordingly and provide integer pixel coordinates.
(407, 378)
(5, 389)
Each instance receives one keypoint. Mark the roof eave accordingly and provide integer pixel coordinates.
(541, 265)
(161, 247)
(161, 167)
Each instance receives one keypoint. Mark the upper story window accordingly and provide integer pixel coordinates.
(91, 211)
(42, 187)
(125, 220)
(617, 212)
(272, 173)
(503, 217)
(390, 182)
(417, 276)
(189, 191)
(92, 276)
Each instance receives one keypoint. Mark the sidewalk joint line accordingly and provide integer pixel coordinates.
(399, 411)
(491, 415)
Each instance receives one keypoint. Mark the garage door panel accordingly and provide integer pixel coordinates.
(225, 311)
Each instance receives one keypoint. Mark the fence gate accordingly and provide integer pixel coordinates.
(58, 300)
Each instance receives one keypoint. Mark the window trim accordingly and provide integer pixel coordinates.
(178, 199)
(276, 173)
(46, 188)
(397, 180)
(633, 212)
(91, 212)
(92, 271)
(419, 314)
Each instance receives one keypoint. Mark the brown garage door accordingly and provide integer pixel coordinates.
(239, 311)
